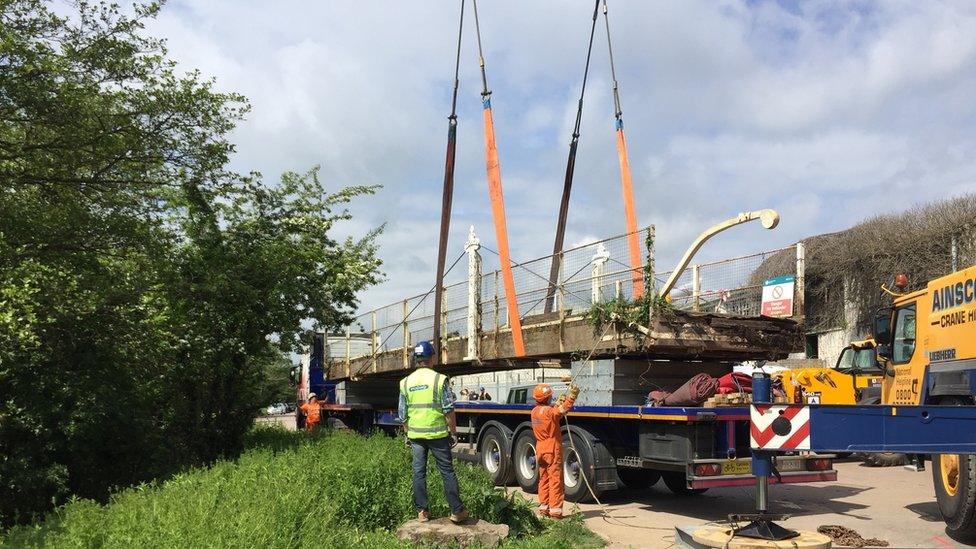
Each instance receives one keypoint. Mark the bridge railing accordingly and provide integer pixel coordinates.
(591, 273)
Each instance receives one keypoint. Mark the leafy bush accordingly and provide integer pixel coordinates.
(147, 293)
(290, 490)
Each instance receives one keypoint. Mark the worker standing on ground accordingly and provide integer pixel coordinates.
(427, 413)
(312, 411)
(549, 447)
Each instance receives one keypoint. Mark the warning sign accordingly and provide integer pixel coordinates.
(777, 296)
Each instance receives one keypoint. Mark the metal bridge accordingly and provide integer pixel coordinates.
(716, 313)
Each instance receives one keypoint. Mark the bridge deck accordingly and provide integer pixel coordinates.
(716, 314)
(679, 336)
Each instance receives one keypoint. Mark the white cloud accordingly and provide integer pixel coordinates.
(828, 112)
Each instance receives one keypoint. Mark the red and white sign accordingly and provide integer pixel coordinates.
(779, 427)
(777, 296)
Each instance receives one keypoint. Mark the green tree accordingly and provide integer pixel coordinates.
(145, 290)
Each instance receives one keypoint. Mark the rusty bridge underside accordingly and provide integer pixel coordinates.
(551, 340)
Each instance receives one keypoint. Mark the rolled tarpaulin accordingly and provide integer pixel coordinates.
(694, 392)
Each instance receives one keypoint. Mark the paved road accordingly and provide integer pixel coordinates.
(888, 503)
(285, 420)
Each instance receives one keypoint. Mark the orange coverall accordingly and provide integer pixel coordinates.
(549, 455)
(313, 414)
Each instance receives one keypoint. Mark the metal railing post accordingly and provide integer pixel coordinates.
(954, 253)
(348, 366)
(561, 303)
(618, 290)
(443, 321)
(799, 310)
(406, 336)
(649, 271)
(497, 314)
(651, 283)
(696, 287)
(474, 295)
(374, 341)
(599, 260)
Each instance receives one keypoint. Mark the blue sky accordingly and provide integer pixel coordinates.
(829, 112)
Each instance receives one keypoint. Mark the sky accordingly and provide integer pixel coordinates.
(829, 112)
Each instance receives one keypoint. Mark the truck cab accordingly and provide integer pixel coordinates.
(854, 378)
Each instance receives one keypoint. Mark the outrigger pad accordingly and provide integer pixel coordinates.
(765, 528)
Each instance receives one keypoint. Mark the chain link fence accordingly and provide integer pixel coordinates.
(730, 286)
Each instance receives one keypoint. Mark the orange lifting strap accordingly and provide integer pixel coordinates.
(498, 204)
(627, 187)
(501, 230)
(633, 240)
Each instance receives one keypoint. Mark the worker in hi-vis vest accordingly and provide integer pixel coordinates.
(427, 413)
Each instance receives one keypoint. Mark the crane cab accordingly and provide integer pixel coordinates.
(928, 343)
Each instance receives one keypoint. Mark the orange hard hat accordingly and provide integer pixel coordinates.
(542, 392)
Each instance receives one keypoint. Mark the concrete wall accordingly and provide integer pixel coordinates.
(830, 344)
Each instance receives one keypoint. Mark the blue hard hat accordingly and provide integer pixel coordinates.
(424, 349)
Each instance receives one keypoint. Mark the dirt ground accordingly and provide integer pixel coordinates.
(892, 504)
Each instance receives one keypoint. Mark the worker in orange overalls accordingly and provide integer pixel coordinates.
(312, 411)
(549, 447)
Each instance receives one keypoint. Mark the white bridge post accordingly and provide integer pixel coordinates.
(474, 295)
(799, 304)
(596, 277)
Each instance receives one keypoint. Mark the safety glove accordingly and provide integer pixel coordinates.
(574, 391)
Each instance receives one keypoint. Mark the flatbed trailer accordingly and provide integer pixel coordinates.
(690, 449)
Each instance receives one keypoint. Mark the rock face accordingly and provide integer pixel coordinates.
(442, 531)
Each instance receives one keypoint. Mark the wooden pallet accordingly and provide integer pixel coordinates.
(731, 399)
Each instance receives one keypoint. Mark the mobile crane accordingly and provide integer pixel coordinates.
(927, 401)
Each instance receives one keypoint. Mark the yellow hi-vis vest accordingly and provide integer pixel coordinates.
(424, 391)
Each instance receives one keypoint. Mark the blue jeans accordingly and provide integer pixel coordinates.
(441, 448)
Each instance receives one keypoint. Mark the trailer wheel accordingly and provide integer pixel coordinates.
(954, 477)
(638, 479)
(524, 462)
(579, 465)
(495, 459)
(678, 484)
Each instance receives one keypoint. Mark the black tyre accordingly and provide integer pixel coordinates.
(638, 479)
(884, 459)
(579, 466)
(524, 462)
(678, 484)
(872, 395)
(495, 459)
(954, 477)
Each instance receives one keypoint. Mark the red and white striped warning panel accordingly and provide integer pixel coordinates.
(779, 427)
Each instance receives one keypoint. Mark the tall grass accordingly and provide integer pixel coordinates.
(289, 490)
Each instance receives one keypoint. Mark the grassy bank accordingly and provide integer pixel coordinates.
(290, 490)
